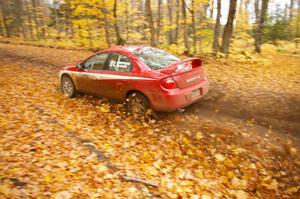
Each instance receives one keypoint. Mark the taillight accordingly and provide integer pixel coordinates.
(168, 83)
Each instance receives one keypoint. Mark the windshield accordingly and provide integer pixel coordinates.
(156, 58)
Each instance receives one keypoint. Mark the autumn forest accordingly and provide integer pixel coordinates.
(184, 26)
(239, 138)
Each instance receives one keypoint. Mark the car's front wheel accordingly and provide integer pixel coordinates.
(137, 104)
(67, 86)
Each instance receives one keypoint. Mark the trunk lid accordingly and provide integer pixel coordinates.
(186, 73)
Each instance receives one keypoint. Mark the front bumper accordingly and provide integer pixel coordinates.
(178, 98)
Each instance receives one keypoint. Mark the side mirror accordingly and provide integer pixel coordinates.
(79, 66)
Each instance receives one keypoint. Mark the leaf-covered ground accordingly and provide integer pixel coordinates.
(222, 147)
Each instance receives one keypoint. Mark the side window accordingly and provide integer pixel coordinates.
(120, 63)
(96, 62)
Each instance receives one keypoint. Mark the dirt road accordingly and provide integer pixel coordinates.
(241, 141)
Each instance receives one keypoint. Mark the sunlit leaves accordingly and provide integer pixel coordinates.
(187, 156)
(5, 189)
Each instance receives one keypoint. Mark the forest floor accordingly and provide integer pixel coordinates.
(241, 141)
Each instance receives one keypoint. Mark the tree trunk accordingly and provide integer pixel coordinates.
(56, 18)
(35, 18)
(217, 29)
(205, 8)
(141, 10)
(177, 21)
(41, 15)
(68, 22)
(29, 19)
(257, 16)
(292, 9)
(18, 13)
(185, 31)
(120, 40)
(3, 19)
(202, 18)
(158, 20)
(2, 27)
(4, 8)
(257, 11)
(229, 27)
(212, 9)
(194, 27)
(150, 22)
(106, 24)
(171, 22)
(298, 26)
(286, 12)
(260, 26)
(126, 20)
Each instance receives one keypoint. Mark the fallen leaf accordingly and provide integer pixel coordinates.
(5, 189)
(63, 195)
(219, 157)
(240, 194)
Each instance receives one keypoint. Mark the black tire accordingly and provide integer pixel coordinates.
(137, 104)
(67, 86)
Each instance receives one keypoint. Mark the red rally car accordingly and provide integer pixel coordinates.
(144, 77)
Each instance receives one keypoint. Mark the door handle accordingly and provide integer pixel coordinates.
(92, 77)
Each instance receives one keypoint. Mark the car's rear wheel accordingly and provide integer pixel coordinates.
(137, 103)
(67, 86)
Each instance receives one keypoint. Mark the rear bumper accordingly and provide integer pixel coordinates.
(178, 98)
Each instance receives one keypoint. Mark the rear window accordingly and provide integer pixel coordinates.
(156, 58)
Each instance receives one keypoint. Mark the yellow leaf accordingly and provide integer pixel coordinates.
(194, 196)
(293, 189)
(68, 126)
(151, 170)
(63, 195)
(108, 176)
(205, 196)
(238, 183)
(101, 168)
(199, 136)
(48, 179)
(5, 189)
(293, 151)
(240, 194)
(239, 150)
(270, 186)
(104, 109)
(199, 173)
(219, 157)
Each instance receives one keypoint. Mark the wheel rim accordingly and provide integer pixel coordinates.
(67, 87)
(137, 106)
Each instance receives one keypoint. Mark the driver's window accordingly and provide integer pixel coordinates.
(96, 62)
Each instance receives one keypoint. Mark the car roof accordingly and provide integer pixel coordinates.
(130, 48)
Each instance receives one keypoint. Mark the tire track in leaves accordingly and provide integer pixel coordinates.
(103, 158)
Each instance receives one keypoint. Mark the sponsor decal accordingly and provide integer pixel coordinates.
(193, 79)
(117, 65)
